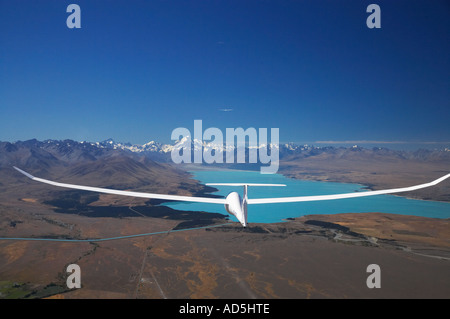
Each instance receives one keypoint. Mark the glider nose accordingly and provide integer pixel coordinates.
(234, 207)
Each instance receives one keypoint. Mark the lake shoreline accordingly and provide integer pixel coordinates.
(270, 213)
(314, 177)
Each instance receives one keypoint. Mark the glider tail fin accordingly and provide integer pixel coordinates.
(242, 184)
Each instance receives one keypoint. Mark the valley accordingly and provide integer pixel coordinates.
(198, 255)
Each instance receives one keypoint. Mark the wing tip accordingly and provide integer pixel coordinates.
(23, 172)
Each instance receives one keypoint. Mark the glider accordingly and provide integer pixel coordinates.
(234, 204)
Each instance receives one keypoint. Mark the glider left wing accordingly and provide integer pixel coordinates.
(127, 193)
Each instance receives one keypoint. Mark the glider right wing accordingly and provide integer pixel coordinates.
(341, 196)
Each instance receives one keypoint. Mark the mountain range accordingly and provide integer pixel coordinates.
(74, 151)
(149, 167)
(101, 164)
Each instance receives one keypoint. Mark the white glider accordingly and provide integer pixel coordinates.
(234, 204)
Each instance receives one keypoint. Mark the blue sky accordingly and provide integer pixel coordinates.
(136, 70)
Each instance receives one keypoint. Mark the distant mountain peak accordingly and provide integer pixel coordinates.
(108, 141)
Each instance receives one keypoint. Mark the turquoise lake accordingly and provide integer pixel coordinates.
(270, 213)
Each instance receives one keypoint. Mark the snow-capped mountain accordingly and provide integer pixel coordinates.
(196, 144)
(70, 151)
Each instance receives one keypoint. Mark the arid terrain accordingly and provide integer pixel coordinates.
(323, 256)
(374, 168)
(197, 255)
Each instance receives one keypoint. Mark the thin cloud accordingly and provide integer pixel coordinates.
(378, 142)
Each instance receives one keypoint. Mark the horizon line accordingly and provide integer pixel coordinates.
(303, 143)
